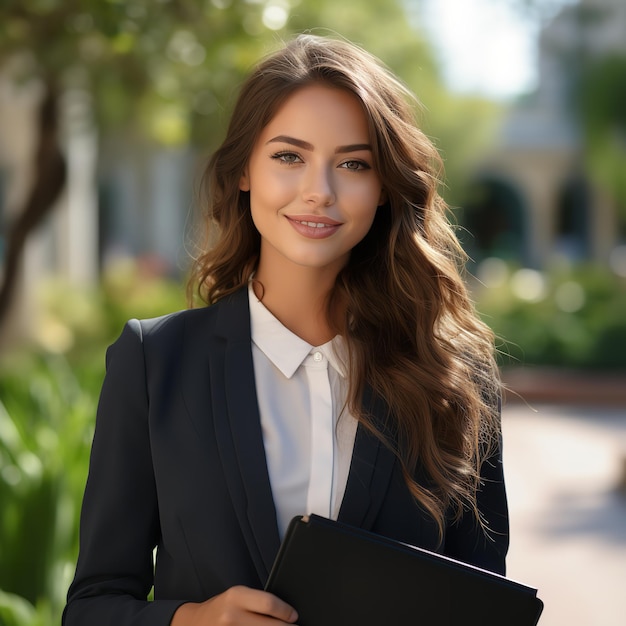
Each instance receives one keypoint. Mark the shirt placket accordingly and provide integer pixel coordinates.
(321, 475)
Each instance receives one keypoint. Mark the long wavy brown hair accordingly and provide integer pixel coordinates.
(412, 333)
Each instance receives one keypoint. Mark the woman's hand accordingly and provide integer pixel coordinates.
(237, 606)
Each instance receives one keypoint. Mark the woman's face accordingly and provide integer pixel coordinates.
(313, 189)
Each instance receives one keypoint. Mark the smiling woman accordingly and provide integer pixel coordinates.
(313, 196)
(338, 369)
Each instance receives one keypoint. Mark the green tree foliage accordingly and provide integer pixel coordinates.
(135, 55)
(151, 68)
(602, 104)
(170, 67)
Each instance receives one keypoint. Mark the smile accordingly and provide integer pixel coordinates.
(308, 226)
(313, 224)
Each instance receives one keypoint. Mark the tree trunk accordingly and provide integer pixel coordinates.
(50, 174)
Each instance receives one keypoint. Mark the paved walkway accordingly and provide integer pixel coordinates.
(563, 466)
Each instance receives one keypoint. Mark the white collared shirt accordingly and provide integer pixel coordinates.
(301, 391)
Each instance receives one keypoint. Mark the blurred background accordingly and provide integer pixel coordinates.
(108, 112)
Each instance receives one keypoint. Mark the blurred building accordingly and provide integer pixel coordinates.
(123, 199)
(533, 200)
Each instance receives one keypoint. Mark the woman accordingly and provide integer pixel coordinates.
(339, 368)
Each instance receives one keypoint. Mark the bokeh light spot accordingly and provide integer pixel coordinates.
(529, 285)
(570, 297)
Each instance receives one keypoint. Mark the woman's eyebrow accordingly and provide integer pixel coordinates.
(305, 145)
(355, 147)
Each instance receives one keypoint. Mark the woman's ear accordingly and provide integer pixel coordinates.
(244, 182)
(383, 197)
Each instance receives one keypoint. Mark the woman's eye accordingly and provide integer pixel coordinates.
(355, 166)
(287, 157)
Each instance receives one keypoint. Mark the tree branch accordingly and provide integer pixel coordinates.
(50, 176)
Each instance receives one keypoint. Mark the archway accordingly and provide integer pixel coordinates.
(573, 224)
(495, 221)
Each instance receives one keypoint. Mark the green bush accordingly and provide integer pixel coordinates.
(46, 422)
(48, 398)
(566, 317)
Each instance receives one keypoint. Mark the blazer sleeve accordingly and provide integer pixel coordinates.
(119, 519)
(484, 545)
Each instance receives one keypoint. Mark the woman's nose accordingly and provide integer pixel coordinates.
(319, 189)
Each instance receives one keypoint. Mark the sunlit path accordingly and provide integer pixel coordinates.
(568, 518)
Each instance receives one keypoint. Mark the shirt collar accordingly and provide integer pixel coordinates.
(283, 348)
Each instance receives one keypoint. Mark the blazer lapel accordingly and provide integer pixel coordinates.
(370, 471)
(240, 441)
(239, 435)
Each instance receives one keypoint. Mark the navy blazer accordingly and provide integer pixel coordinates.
(178, 464)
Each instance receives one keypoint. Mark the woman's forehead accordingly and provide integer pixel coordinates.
(319, 110)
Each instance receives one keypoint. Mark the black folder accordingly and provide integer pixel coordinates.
(337, 575)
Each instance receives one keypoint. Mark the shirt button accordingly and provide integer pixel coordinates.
(318, 357)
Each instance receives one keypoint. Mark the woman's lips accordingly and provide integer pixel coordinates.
(314, 227)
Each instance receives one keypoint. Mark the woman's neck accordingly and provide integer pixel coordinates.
(298, 297)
